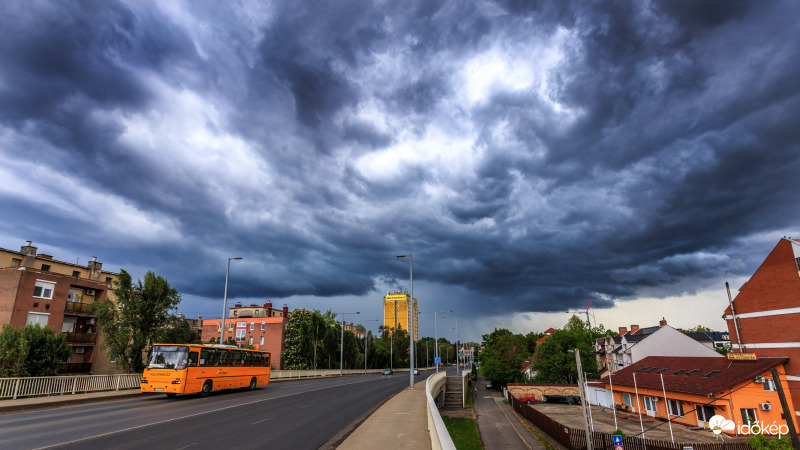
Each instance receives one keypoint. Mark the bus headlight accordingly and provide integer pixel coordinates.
(176, 382)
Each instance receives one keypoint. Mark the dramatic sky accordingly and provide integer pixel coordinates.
(532, 155)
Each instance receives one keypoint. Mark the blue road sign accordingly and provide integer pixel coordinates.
(437, 360)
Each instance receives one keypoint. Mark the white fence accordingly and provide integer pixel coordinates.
(319, 373)
(38, 386)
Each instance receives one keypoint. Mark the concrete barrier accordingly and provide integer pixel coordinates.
(440, 438)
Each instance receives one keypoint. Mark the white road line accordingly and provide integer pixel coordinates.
(238, 405)
(268, 418)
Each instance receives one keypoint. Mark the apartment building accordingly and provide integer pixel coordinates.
(396, 312)
(35, 288)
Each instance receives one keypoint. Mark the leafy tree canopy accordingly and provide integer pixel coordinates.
(698, 329)
(177, 331)
(129, 323)
(554, 363)
(502, 356)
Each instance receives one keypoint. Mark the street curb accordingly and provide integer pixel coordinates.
(25, 407)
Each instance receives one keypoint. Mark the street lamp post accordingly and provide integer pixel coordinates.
(341, 352)
(225, 300)
(436, 333)
(411, 316)
(366, 339)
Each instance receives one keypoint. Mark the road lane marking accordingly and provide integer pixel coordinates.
(268, 418)
(238, 405)
(304, 407)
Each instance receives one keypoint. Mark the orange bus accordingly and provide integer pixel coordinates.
(191, 368)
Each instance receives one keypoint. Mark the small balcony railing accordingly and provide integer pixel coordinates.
(81, 338)
(76, 368)
(79, 308)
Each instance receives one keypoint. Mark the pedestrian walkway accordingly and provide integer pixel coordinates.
(500, 427)
(400, 423)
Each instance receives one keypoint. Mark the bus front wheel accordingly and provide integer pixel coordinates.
(206, 389)
(252, 384)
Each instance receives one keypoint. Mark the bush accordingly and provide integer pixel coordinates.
(32, 351)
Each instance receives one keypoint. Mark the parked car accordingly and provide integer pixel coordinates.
(528, 400)
(416, 371)
(388, 371)
(489, 385)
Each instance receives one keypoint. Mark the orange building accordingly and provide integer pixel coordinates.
(698, 389)
(263, 327)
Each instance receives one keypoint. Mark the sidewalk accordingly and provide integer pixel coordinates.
(499, 425)
(400, 423)
(33, 403)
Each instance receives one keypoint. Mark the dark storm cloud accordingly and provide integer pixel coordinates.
(622, 149)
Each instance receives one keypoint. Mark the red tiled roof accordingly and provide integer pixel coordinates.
(730, 373)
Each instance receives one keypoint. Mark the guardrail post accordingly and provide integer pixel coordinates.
(116, 382)
(16, 389)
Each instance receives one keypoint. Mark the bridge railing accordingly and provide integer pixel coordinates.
(440, 437)
(12, 388)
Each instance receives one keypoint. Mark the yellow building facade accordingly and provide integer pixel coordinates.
(395, 312)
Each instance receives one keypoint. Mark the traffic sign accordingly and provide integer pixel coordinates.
(617, 440)
(437, 360)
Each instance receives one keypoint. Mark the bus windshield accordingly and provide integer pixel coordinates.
(167, 357)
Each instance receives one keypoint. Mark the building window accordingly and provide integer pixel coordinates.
(627, 399)
(219, 326)
(748, 415)
(240, 334)
(250, 341)
(35, 318)
(769, 384)
(675, 408)
(46, 267)
(256, 314)
(262, 341)
(650, 403)
(108, 280)
(235, 313)
(16, 262)
(230, 326)
(252, 325)
(241, 324)
(76, 273)
(263, 326)
(43, 289)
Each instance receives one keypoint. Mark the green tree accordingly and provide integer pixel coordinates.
(552, 360)
(130, 325)
(530, 341)
(502, 356)
(699, 329)
(32, 351)
(177, 331)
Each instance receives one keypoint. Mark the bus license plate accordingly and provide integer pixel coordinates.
(158, 389)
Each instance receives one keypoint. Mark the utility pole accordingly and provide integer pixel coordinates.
(584, 402)
(786, 411)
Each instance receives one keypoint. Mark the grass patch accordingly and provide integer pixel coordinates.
(464, 433)
(469, 395)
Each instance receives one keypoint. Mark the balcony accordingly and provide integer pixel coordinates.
(75, 368)
(79, 308)
(81, 338)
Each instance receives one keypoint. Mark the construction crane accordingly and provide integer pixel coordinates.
(575, 311)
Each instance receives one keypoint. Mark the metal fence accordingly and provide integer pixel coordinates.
(575, 439)
(12, 388)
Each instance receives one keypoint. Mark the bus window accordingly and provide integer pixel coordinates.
(266, 360)
(192, 359)
(204, 357)
(167, 357)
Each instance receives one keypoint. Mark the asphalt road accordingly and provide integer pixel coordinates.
(306, 414)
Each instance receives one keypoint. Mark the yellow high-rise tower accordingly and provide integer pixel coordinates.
(395, 312)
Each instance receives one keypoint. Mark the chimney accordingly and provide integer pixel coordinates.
(285, 311)
(94, 268)
(662, 322)
(268, 305)
(634, 328)
(30, 254)
(623, 330)
(238, 305)
(200, 319)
